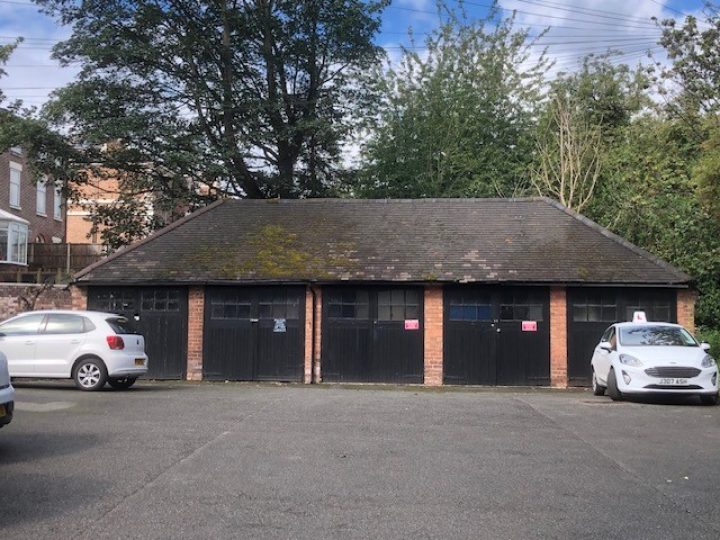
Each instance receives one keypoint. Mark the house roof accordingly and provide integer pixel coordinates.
(7, 216)
(534, 240)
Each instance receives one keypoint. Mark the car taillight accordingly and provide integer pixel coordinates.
(116, 343)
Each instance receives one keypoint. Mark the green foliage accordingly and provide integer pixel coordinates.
(607, 94)
(650, 199)
(456, 120)
(707, 172)
(198, 100)
(711, 336)
(695, 51)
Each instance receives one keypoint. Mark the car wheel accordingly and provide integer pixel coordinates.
(90, 374)
(597, 389)
(123, 383)
(612, 389)
(709, 400)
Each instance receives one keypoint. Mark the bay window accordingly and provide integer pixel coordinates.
(13, 242)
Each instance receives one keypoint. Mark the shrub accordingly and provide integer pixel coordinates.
(712, 336)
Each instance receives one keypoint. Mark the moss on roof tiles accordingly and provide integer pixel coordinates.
(475, 240)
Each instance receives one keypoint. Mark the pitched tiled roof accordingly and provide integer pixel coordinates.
(451, 240)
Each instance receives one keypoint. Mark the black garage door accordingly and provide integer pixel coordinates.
(592, 310)
(159, 314)
(254, 333)
(496, 336)
(372, 335)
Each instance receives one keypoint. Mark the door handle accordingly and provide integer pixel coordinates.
(254, 320)
(29, 342)
(74, 341)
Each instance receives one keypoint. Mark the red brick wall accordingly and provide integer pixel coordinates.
(79, 297)
(433, 337)
(558, 337)
(196, 321)
(317, 337)
(686, 308)
(78, 227)
(47, 225)
(17, 298)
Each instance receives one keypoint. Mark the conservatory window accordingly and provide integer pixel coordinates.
(13, 242)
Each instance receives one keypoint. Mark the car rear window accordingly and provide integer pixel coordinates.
(61, 323)
(121, 325)
(656, 336)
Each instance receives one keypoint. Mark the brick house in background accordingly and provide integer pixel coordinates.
(99, 191)
(29, 212)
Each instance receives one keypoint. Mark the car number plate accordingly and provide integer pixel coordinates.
(139, 361)
(673, 382)
(3, 412)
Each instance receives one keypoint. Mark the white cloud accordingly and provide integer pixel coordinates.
(581, 27)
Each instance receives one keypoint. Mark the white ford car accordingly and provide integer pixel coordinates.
(7, 393)
(90, 347)
(653, 358)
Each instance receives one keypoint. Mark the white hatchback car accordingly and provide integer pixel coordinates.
(653, 358)
(90, 347)
(7, 393)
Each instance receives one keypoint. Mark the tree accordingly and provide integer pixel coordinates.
(651, 199)
(694, 48)
(706, 172)
(457, 119)
(569, 157)
(604, 93)
(189, 101)
(5, 52)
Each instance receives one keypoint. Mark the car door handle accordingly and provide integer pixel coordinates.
(29, 343)
(74, 341)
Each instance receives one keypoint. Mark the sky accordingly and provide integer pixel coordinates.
(577, 27)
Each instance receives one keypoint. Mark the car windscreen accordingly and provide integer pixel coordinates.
(656, 336)
(121, 325)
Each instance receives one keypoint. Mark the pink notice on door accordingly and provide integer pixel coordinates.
(412, 324)
(529, 326)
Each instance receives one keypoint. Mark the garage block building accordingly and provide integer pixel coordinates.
(444, 291)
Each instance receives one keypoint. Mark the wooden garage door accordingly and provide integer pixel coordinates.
(159, 314)
(254, 333)
(496, 336)
(372, 334)
(591, 310)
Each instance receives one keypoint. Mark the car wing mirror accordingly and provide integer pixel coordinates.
(705, 346)
(606, 346)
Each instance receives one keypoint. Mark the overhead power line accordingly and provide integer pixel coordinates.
(16, 3)
(602, 13)
(649, 24)
(669, 8)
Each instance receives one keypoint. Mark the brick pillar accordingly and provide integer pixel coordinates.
(308, 378)
(558, 338)
(196, 322)
(433, 328)
(78, 297)
(686, 308)
(317, 333)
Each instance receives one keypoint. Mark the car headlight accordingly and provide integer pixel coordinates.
(707, 361)
(630, 360)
